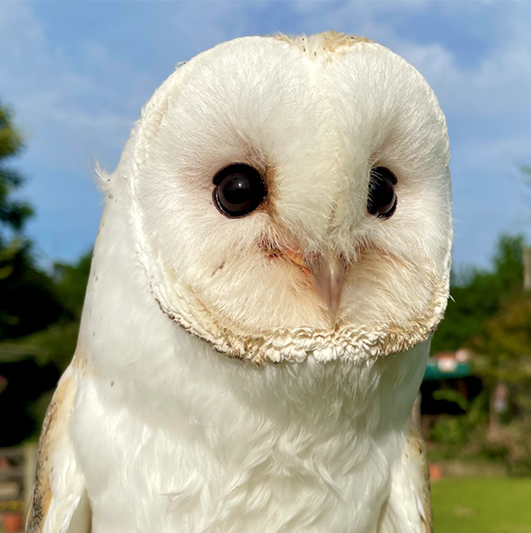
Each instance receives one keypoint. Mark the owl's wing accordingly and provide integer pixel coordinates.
(415, 455)
(60, 503)
(409, 502)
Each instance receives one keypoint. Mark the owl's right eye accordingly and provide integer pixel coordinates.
(240, 189)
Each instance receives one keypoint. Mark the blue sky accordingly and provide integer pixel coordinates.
(77, 74)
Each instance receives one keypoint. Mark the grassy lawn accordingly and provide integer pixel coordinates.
(489, 505)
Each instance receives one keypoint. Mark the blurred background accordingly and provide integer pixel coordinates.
(73, 78)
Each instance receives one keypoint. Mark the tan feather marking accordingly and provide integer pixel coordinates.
(356, 343)
(416, 448)
(54, 430)
(328, 41)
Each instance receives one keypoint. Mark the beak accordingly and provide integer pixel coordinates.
(328, 271)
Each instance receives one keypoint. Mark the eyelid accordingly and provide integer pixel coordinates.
(384, 171)
(231, 168)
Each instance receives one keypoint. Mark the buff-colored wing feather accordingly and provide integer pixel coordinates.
(416, 452)
(409, 501)
(59, 503)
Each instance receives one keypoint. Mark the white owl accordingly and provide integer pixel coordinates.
(273, 258)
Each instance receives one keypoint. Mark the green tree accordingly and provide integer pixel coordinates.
(57, 343)
(29, 299)
(13, 213)
(477, 295)
(491, 314)
(46, 354)
(28, 302)
(506, 348)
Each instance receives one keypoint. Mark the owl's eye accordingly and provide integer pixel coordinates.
(239, 190)
(382, 197)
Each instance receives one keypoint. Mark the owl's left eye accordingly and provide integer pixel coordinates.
(240, 189)
(382, 196)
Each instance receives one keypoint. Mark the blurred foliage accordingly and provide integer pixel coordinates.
(491, 314)
(477, 295)
(41, 357)
(39, 310)
(57, 343)
(453, 433)
(28, 301)
(475, 410)
(27, 383)
(13, 212)
(507, 347)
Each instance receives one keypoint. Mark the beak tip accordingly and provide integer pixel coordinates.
(329, 276)
(333, 318)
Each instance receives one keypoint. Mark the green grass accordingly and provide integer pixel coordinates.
(489, 505)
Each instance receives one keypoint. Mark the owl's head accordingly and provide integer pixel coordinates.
(291, 196)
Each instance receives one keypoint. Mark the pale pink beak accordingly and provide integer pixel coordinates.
(328, 271)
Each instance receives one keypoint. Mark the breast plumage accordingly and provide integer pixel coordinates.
(272, 261)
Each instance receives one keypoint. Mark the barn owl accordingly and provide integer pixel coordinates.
(272, 260)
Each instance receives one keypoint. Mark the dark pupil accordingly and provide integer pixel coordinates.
(236, 192)
(240, 190)
(382, 197)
